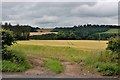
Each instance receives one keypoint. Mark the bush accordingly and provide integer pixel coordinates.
(7, 38)
(105, 62)
(114, 44)
(107, 68)
(12, 60)
(108, 56)
(108, 63)
(15, 61)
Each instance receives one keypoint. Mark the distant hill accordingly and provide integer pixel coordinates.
(80, 32)
(111, 31)
(90, 31)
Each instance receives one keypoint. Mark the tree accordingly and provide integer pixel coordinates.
(6, 24)
(60, 35)
(71, 35)
(18, 30)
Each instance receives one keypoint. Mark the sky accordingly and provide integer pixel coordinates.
(64, 13)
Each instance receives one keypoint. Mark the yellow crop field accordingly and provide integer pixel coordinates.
(80, 44)
(41, 33)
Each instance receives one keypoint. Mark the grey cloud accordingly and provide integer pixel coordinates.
(99, 10)
(59, 13)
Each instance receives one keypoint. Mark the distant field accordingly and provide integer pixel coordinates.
(41, 33)
(112, 31)
(80, 44)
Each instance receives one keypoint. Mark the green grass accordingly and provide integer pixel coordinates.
(8, 66)
(16, 61)
(105, 62)
(99, 60)
(111, 31)
(52, 52)
(54, 65)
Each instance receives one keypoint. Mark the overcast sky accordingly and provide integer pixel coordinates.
(52, 14)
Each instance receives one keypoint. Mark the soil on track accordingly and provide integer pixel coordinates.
(71, 70)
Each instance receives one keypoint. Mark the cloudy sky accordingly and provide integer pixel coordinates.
(52, 14)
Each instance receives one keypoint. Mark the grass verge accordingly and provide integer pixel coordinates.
(8, 66)
(16, 61)
(53, 65)
(105, 62)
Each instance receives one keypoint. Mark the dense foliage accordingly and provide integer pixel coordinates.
(81, 32)
(12, 60)
(86, 32)
(7, 38)
(21, 31)
(67, 36)
(114, 44)
(34, 29)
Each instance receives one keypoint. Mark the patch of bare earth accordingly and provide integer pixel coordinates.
(71, 69)
(76, 70)
(38, 68)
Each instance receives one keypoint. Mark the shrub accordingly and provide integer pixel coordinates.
(114, 44)
(108, 63)
(7, 38)
(12, 60)
(108, 56)
(107, 68)
(15, 61)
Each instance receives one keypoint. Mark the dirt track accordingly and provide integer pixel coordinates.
(71, 70)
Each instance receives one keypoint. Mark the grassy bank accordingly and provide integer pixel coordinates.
(17, 62)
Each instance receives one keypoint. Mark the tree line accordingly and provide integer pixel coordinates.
(21, 32)
(85, 32)
(80, 32)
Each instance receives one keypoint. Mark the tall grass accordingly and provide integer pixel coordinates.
(105, 62)
(48, 51)
(17, 62)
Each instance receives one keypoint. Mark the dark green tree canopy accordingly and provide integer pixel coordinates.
(7, 38)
